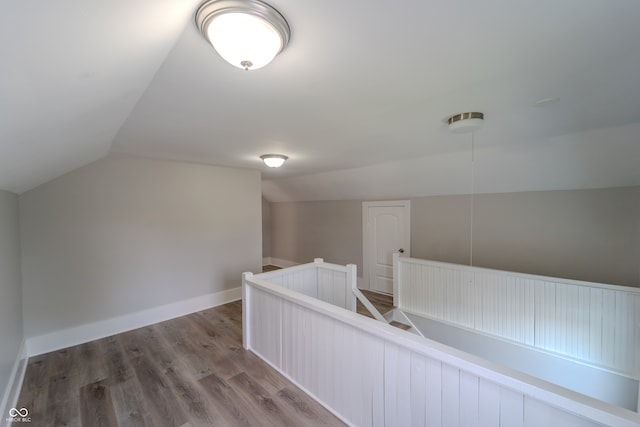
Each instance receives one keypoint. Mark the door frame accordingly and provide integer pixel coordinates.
(366, 244)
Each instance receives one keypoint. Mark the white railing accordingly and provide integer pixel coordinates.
(327, 282)
(594, 323)
(332, 283)
(369, 373)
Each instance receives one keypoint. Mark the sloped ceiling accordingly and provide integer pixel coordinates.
(357, 100)
(72, 71)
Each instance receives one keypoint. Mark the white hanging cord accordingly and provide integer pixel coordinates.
(472, 199)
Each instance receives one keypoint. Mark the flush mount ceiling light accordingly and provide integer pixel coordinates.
(273, 160)
(465, 122)
(246, 33)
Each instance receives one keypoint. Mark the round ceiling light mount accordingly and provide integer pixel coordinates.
(465, 122)
(274, 160)
(248, 34)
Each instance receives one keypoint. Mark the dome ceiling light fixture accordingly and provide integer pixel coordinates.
(247, 34)
(465, 122)
(274, 160)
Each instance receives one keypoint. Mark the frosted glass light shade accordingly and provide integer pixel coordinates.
(244, 41)
(274, 160)
(247, 34)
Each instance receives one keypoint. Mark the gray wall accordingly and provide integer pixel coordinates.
(440, 228)
(266, 228)
(583, 234)
(11, 332)
(591, 235)
(302, 231)
(124, 235)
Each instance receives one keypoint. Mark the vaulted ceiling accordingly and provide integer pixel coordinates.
(357, 100)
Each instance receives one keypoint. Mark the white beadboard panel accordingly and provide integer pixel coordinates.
(591, 322)
(324, 356)
(538, 414)
(418, 392)
(301, 281)
(450, 396)
(469, 400)
(397, 385)
(332, 287)
(489, 398)
(264, 323)
(583, 378)
(433, 392)
(370, 373)
(327, 282)
(511, 408)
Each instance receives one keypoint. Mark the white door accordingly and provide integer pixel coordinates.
(386, 229)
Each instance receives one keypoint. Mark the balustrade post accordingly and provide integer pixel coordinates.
(245, 309)
(352, 283)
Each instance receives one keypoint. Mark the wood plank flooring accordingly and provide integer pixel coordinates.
(189, 371)
(381, 302)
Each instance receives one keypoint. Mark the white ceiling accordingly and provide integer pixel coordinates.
(356, 100)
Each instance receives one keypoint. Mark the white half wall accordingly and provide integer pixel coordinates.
(124, 236)
(12, 358)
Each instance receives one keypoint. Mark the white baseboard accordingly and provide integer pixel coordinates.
(93, 331)
(282, 262)
(12, 393)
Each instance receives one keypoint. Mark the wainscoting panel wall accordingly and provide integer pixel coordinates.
(327, 282)
(591, 322)
(371, 374)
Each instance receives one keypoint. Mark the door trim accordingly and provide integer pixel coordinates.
(406, 204)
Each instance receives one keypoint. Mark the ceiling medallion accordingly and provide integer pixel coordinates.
(465, 122)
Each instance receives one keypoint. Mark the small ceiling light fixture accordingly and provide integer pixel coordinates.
(273, 160)
(465, 122)
(246, 33)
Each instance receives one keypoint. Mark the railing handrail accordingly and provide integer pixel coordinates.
(463, 267)
(543, 391)
(350, 270)
(316, 263)
(602, 330)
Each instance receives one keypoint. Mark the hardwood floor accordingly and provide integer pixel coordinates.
(189, 371)
(381, 302)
